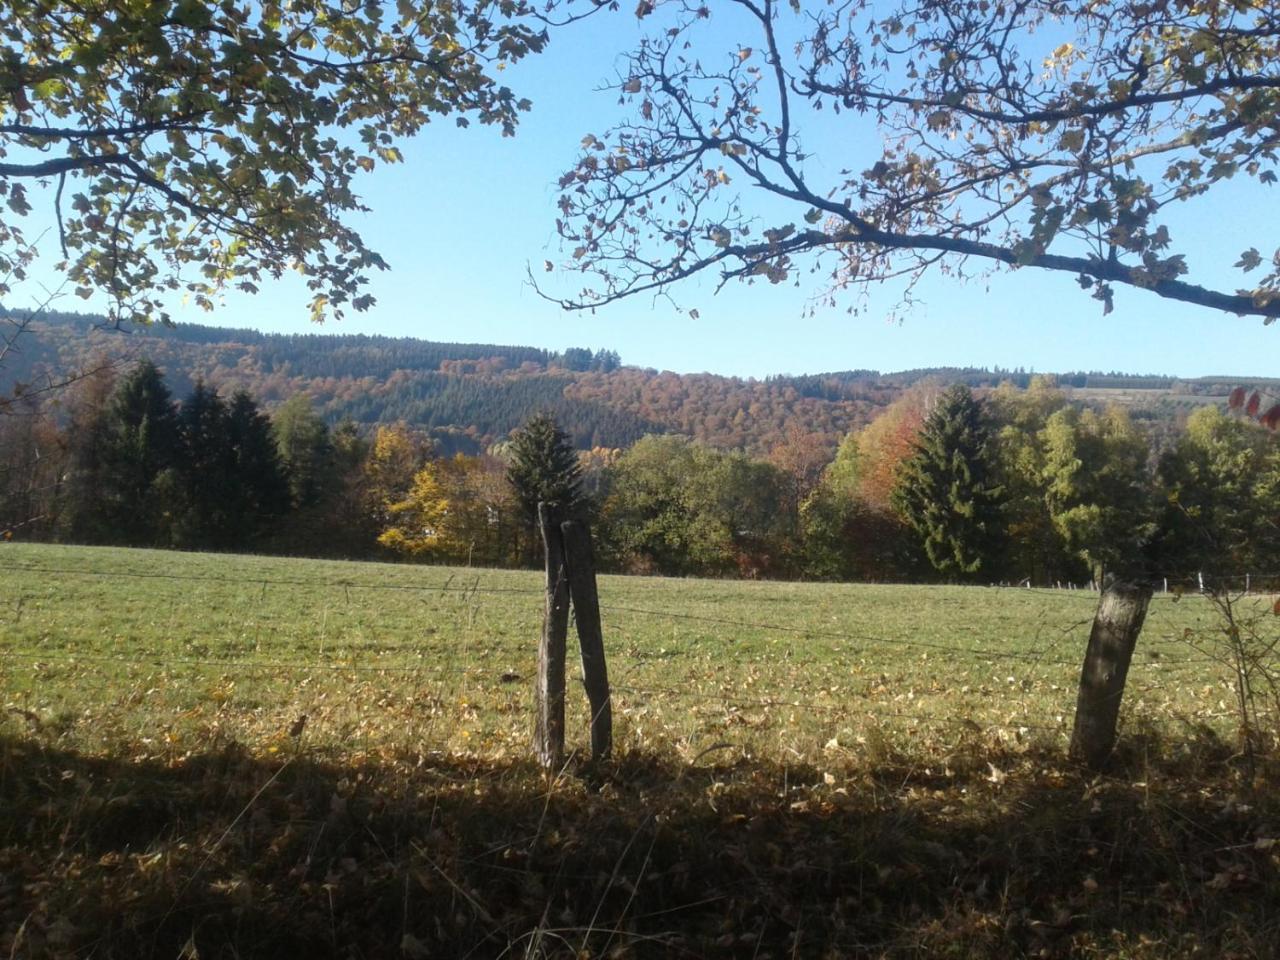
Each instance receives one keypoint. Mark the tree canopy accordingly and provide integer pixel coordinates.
(196, 145)
(1028, 134)
(544, 467)
(947, 492)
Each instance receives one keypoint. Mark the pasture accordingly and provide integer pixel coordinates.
(799, 770)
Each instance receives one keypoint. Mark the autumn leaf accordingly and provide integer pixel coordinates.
(1249, 260)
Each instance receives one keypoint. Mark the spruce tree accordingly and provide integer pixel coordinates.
(203, 483)
(261, 494)
(139, 443)
(544, 467)
(947, 491)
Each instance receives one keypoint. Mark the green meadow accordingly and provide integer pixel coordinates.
(800, 769)
(117, 646)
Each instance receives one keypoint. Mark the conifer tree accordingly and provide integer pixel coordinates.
(140, 442)
(201, 485)
(261, 492)
(544, 467)
(947, 491)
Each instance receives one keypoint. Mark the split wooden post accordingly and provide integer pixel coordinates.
(571, 578)
(1122, 607)
(548, 733)
(586, 611)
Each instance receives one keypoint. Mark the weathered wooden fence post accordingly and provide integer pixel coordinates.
(586, 611)
(548, 733)
(571, 577)
(1122, 607)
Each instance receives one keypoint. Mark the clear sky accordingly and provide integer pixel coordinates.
(468, 211)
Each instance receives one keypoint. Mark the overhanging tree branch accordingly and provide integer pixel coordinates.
(207, 146)
(961, 147)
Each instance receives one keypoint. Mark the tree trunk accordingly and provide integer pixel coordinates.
(548, 735)
(1122, 607)
(586, 610)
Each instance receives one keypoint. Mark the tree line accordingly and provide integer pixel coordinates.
(120, 461)
(945, 484)
(473, 395)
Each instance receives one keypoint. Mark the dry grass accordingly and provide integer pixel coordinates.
(801, 770)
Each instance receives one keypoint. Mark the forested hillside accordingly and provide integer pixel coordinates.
(362, 446)
(470, 395)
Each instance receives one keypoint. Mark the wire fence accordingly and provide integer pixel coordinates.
(369, 660)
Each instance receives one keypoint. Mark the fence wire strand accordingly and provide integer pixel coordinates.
(360, 664)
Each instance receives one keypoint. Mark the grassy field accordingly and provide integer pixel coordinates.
(800, 770)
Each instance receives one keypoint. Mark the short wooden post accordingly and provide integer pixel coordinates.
(548, 734)
(586, 611)
(1116, 625)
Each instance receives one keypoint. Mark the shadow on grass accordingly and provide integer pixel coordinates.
(224, 854)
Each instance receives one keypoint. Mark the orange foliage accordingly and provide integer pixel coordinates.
(888, 440)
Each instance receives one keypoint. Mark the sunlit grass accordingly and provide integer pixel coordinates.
(152, 646)
(800, 770)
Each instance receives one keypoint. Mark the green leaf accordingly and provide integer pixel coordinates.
(192, 13)
(49, 89)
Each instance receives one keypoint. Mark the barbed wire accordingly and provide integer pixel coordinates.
(445, 587)
(852, 708)
(992, 655)
(349, 659)
(1036, 659)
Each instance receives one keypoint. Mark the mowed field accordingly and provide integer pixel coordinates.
(800, 769)
(134, 646)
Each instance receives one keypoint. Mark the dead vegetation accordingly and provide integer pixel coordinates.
(238, 757)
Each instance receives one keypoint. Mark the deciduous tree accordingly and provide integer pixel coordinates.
(197, 146)
(1099, 490)
(976, 133)
(1217, 514)
(302, 438)
(1037, 548)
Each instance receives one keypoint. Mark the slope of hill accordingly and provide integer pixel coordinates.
(471, 395)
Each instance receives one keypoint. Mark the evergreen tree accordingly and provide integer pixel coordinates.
(544, 467)
(139, 443)
(201, 486)
(261, 490)
(947, 492)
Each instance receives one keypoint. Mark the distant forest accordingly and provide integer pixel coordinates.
(468, 396)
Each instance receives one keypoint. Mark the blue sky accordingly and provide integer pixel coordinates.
(468, 210)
